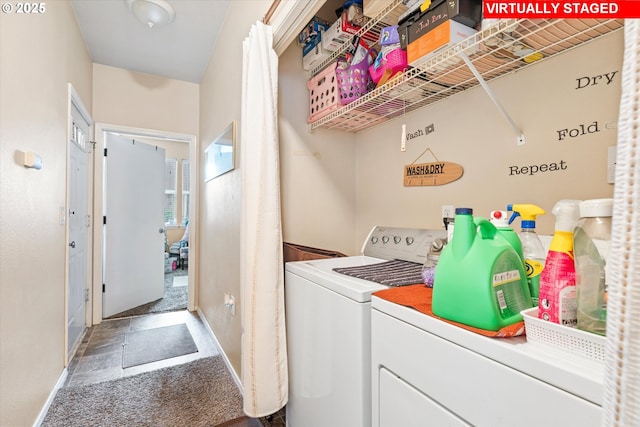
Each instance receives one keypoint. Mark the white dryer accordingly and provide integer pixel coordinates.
(328, 315)
(430, 373)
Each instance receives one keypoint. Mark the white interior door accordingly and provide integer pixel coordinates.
(78, 230)
(133, 263)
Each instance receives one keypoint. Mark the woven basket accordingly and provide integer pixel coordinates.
(566, 339)
(353, 81)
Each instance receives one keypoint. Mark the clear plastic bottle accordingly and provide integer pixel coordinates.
(534, 255)
(591, 239)
(532, 247)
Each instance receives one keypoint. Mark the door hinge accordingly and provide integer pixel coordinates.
(104, 220)
(87, 293)
(88, 220)
(103, 287)
(105, 152)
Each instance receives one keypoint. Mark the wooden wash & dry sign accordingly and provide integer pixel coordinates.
(431, 174)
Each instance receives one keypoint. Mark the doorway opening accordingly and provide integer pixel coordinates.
(173, 225)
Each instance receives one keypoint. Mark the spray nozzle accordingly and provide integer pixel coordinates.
(499, 218)
(567, 212)
(514, 215)
(528, 212)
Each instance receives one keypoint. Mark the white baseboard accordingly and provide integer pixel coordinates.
(52, 395)
(234, 374)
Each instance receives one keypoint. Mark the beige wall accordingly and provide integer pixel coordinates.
(470, 131)
(39, 55)
(318, 172)
(221, 198)
(129, 98)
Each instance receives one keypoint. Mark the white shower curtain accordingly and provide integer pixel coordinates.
(622, 380)
(264, 351)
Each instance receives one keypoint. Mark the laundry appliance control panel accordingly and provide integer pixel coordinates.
(407, 244)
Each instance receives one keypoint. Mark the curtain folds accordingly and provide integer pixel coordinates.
(264, 355)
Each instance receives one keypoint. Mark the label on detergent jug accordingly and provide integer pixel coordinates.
(507, 288)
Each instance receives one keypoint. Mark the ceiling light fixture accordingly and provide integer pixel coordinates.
(153, 13)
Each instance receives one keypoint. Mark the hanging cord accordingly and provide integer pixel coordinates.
(403, 137)
(422, 154)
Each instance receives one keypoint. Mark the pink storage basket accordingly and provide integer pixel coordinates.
(396, 60)
(323, 93)
(353, 81)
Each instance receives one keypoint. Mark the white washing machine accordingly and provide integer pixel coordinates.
(328, 315)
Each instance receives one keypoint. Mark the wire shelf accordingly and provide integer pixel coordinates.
(372, 29)
(492, 52)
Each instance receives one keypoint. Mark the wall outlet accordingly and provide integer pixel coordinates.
(448, 211)
(429, 129)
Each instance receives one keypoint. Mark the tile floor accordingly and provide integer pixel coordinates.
(99, 356)
(278, 419)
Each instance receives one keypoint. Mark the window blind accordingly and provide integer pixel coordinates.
(186, 190)
(171, 184)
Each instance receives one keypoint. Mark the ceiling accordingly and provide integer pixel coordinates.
(180, 50)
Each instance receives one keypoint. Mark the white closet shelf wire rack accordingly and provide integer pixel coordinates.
(444, 73)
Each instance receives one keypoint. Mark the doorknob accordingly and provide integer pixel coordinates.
(73, 244)
(161, 230)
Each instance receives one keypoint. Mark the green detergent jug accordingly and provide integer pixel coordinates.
(480, 280)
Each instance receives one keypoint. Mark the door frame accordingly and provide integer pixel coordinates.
(98, 201)
(74, 100)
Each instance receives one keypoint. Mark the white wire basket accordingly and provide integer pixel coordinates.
(572, 340)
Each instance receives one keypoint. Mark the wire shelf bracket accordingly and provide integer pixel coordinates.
(519, 135)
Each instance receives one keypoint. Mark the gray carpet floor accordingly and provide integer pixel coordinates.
(199, 393)
(175, 298)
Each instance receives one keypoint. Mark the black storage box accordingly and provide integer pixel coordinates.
(466, 12)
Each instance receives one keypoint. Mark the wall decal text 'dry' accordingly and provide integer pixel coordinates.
(587, 81)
